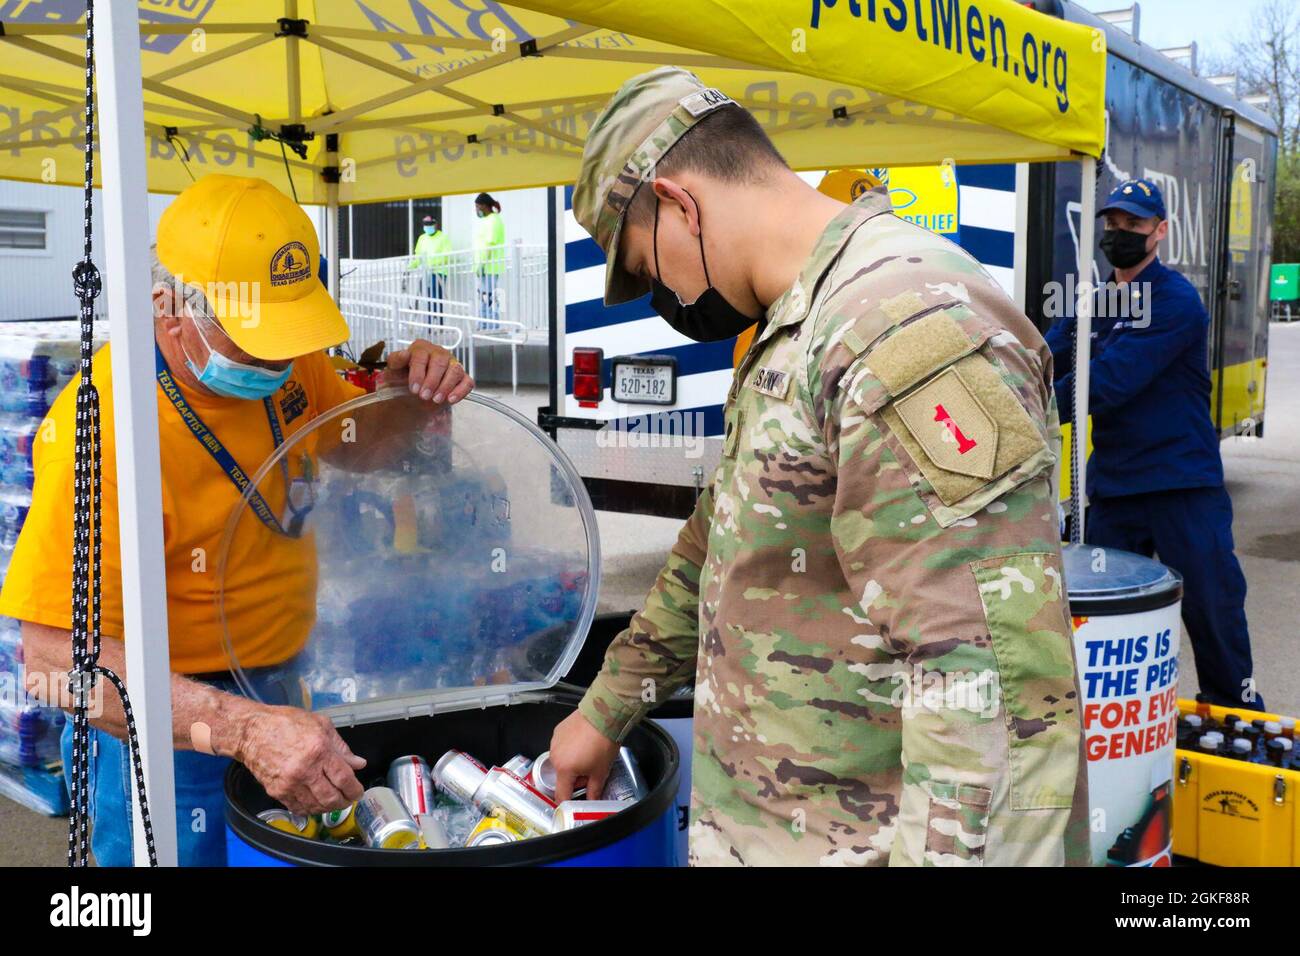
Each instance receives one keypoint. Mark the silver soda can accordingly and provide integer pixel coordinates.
(384, 821)
(625, 781)
(409, 778)
(542, 775)
(519, 765)
(433, 832)
(492, 838)
(572, 814)
(516, 800)
(458, 775)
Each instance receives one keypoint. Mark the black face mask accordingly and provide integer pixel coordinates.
(710, 318)
(1122, 248)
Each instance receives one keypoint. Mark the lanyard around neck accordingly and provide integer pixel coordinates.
(224, 459)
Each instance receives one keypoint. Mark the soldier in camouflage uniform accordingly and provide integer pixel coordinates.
(868, 595)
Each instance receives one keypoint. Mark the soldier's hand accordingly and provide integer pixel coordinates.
(299, 759)
(582, 756)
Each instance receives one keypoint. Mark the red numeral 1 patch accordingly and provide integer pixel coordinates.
(964, 444)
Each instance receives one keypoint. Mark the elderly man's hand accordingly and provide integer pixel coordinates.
(299, 759)
(430, 371)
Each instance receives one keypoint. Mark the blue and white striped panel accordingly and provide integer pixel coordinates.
(704, 369)
(986, 229)
(986, 219)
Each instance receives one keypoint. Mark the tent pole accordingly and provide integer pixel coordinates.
(1083, 343)
(135, 418)
(332, 238)
(293, 78)
(332, 214)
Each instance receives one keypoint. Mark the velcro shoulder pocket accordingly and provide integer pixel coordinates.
(953, 412)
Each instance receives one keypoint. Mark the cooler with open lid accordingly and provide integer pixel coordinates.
(437, 574)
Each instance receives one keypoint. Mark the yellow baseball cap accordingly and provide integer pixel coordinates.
(253, 252)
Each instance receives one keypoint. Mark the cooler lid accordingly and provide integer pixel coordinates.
(1109, 581)
(427, 558)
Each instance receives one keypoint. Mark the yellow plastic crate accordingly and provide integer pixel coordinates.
(1232, 813)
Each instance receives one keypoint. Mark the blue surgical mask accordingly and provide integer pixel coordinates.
(232, 379)
(429, 230)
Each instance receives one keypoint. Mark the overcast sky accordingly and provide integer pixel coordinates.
(1166, 23)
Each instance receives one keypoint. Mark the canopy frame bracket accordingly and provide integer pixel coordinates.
(291, 27)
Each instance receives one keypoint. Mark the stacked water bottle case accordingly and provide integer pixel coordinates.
(37, 359)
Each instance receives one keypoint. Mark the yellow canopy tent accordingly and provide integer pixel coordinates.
(361, 100)
(434, 97)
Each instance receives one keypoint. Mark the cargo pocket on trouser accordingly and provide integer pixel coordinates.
(1024, 606)
(958, 824)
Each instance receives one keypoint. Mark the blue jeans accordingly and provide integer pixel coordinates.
(489, 303)
(200, 794)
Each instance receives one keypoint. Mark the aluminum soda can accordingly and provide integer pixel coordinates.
(341, 824)
(281, 819)
(572, 814)
(625, 781)
(542, 774)
(409, 778)
(521, 804)
(385, 822)
(432, 833)
(493, 836)
(519, 765)
(491, 829)
(458, 775)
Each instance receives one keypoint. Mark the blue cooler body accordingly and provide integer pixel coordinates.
(675, 716)
(455, 563)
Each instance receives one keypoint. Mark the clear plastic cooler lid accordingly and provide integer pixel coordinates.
(429, 558)
(1100, 575)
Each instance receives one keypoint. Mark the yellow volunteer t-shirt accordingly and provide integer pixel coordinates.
(270, 593)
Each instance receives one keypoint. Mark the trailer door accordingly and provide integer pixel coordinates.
(1242, 346)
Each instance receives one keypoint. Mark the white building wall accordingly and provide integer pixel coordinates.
(38, 285)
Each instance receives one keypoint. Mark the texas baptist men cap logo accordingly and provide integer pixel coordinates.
(290, 264)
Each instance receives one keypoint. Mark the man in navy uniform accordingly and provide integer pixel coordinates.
(1155, 478)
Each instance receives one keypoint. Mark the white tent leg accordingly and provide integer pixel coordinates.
(332, 238)
(1083, 339)
(135, 419)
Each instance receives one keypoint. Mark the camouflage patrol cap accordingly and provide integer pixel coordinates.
(644, 119)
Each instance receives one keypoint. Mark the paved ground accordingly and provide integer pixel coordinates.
(1263, 477)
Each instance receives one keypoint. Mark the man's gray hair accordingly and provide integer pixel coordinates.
(192, 295)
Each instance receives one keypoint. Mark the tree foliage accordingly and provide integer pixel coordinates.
(1266, 59)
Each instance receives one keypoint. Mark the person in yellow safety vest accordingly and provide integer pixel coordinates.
(489, 253)
(432, 255)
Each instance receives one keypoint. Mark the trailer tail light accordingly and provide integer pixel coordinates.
(588, 384)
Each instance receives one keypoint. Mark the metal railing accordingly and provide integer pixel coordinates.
(451, 299)
(399, 318)
(511, 286)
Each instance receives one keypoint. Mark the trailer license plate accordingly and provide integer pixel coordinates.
(645, 382)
